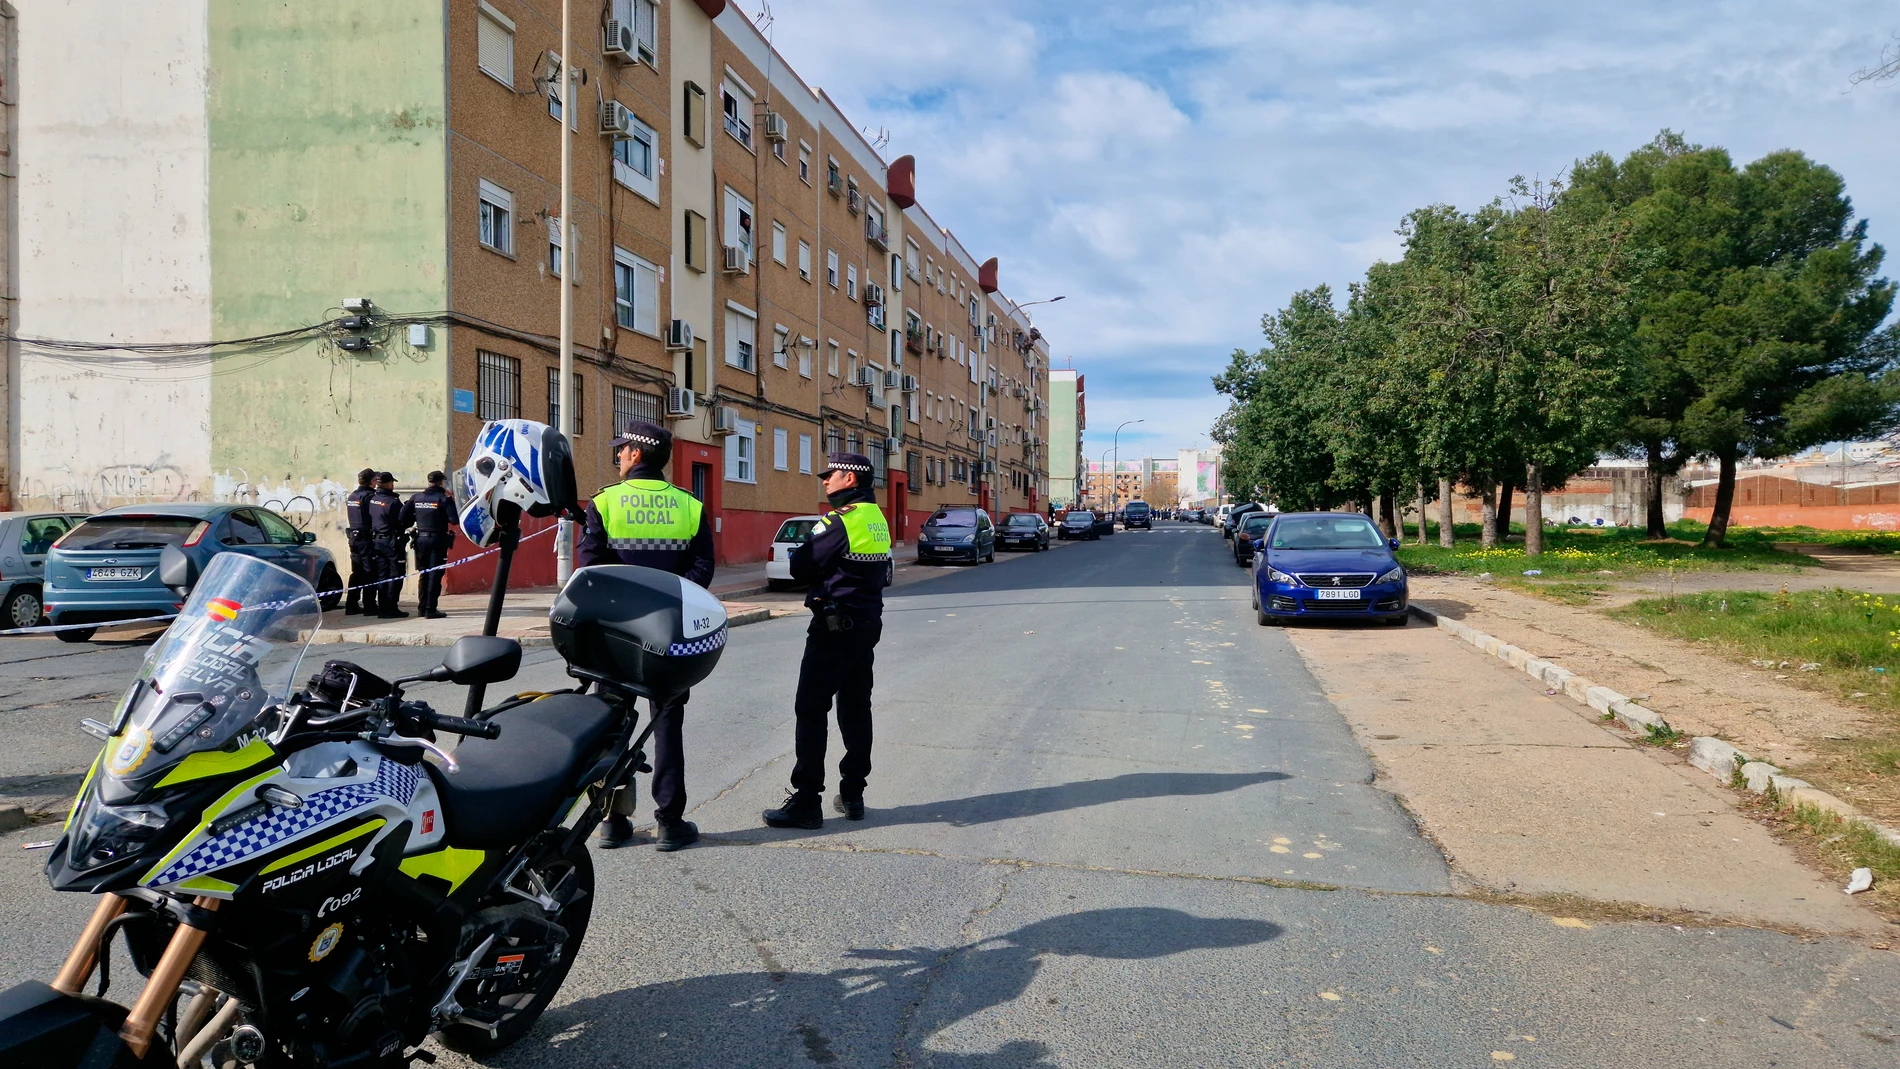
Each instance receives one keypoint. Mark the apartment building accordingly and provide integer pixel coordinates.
(745, 265)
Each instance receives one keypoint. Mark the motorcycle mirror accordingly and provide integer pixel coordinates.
(177, 569)
(480, 659)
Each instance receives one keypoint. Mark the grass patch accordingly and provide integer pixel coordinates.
(1844, 846)
(1562, 592)
(1579, 551)
(1873, 541)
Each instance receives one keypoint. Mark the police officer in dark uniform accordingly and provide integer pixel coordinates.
(432, 514)
(386, 529)
(362, 569)
(847, 561)
(648, 521)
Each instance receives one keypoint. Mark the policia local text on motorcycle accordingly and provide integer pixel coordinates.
(303, 876)
(645, 520)
(847, 561)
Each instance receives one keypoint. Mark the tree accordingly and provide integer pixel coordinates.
(1275, 429)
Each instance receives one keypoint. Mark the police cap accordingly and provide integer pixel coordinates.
(853, 462)
(436, 477)
(385, 477)
(650, 437)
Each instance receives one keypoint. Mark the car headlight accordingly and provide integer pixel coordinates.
(1279, 576)
(1397, 574)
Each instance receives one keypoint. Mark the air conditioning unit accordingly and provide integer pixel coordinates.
(725, 419)
(1023, 437)
(891, 445)
(989, 467)
(867, 377)
(617, 42)
(989, 423)
(679, 335)
(680, 403)
(909, 385)
(893, 380)
(776, 129)
(734, 260)
(873, 293)
(615, 120)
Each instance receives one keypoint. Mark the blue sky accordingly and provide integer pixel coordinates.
(1177, 170)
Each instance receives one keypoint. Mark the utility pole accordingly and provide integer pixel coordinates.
(1114, 477)
(564, 538)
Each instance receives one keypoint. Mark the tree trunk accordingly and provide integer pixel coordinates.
(1654, 492)
(1445, 535)
(1534, 510)
(1488, 521)
(1388, 515)
(1724, 500)
(1421, 513)
(1504, 512)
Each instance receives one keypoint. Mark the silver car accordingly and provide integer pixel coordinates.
(24, 539)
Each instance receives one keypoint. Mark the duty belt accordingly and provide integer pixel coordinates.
(650, 544)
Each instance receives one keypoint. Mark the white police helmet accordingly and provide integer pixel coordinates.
(516, 465)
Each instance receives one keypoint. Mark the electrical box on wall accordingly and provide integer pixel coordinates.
(420, 336)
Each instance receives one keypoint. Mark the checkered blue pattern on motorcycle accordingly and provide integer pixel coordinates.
(699, 645)
(393, 780)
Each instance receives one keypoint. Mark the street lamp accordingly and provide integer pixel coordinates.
(1115, 486)
(1107, 474)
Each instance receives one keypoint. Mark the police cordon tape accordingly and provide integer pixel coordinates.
(147, 621)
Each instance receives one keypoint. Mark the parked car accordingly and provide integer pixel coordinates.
(1138, 514)
(1232, 521)
(1252, 526)
(791, 534)
(25, 538)
(957, 532)
(1332, 564)
(106, 568)
(1079, 523)
(1024, 530)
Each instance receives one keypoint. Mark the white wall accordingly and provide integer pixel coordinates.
(114, 246)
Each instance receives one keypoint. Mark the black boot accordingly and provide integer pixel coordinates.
(676, 835)
(851, 807)
(392, 613)
(435, 614)
(801, 810)
(615, 832)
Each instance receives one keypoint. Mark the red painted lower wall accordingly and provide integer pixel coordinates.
(534, 563)
(746, 535)
(1819, 517)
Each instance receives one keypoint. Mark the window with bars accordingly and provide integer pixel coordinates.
(497, 386)
(632, 406)
(554, 399)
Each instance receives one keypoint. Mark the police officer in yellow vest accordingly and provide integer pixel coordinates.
(648, 521)
(847, 561)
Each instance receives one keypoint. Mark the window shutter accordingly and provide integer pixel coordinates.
(495, 48)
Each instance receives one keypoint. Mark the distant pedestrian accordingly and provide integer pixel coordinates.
(847, 561)
(362, 567)
(387, 546)
(432, 514)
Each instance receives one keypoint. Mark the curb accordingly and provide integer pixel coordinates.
(13, 817)
(1719, 759)
(752, 615)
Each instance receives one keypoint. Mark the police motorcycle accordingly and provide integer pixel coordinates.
(303, 875)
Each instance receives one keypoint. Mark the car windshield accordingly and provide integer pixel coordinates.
(954, 518)
(1079, 517)
(1135, 506)
(231, 654)
(1021, 521)
(795, 531)
(1326, 532)
(129, 532)
(1254, 524)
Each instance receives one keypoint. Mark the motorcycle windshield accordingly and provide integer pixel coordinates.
(231, 654)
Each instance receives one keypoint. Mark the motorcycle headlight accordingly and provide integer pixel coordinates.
(1279, 576)
(1397, 574)
(105, 833)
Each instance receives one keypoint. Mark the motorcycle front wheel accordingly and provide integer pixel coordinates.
(519, 1011)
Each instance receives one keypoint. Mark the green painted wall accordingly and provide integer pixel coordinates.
(328, 151)
(1062, 459)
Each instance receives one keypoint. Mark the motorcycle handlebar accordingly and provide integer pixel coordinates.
(463, 726)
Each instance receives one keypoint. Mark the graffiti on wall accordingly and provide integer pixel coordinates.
(305, 502)
(301, 501)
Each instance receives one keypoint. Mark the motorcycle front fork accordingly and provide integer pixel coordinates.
(142, 1023)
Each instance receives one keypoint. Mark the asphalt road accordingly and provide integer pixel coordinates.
(1113, 823)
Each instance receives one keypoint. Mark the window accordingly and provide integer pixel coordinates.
(804, 361)
(693, 121)
(695, 240)
(739, 223)
(635, 159)
(910, 258)
(851, 365)
(778, 149)
(497, 386)
(851, 281)
(554, 247)
(910, 407)
(778, 242)
(495, 45)
(738, 122)
(976, 312)
(741, 452)
(781, 341)
(831, 360)
(804, 454)
(897, 273)
(778, 448)
(741, 338)
(831, 268)
(242, 529)
(277, 529)
(632, 405)
(636, 293)
(804, 261)
(496, 207)
(646, 28)
(804, 163)
(554, 399)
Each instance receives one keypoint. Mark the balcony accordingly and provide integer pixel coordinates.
(740, 129)
(877, 233)
(914, 339)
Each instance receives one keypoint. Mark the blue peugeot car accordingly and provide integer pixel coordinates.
(107, 567)
(1326, 564)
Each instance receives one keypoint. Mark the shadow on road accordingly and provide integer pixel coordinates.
(879, 1013)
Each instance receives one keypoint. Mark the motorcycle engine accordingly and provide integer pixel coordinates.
(352, 1013)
